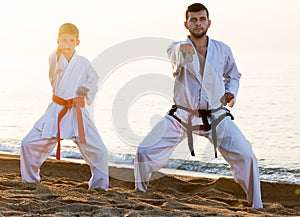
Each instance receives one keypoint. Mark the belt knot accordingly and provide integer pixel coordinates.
(77, 102)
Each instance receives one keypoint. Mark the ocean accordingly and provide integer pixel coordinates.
(138, 92)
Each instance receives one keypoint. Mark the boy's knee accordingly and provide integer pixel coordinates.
(24, 143)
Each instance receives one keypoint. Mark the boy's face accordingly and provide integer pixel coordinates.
(68, 42)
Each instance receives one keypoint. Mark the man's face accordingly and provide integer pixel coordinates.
(197, 23)
(69, 41)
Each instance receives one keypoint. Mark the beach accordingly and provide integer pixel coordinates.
(135, 90)
(63, 191)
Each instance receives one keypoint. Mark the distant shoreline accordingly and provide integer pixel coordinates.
(165, 170)
(131, 166)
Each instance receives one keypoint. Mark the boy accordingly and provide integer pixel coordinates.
(74, 82)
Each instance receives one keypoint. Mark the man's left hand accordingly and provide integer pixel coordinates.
(228, 98)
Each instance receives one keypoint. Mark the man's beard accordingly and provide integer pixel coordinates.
(198, 35)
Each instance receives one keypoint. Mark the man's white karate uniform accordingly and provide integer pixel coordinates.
(65, 78)
(195, 91)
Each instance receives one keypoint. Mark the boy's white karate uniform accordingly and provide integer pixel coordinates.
(195, 91)
(65, 78)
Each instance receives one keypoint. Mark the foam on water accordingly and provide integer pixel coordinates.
(69, 152)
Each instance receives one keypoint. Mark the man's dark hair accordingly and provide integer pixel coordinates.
(196, 7)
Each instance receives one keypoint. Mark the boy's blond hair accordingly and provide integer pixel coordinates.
(68, 28)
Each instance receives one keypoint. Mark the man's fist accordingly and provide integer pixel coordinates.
(186, 49)
(228, 98)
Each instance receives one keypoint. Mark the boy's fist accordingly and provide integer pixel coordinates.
(60, 48)
(82, 91)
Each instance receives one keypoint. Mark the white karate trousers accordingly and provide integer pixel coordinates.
(156, 148)
(35, 150)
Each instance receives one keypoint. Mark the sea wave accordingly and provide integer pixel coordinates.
(276, 174)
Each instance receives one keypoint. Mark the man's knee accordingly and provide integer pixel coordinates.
(248, 154)
(142, 153)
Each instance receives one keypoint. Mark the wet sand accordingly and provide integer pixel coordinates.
(63, 191)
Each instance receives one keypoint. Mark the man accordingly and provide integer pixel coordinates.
(206, 79)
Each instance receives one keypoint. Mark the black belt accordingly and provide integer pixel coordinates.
(204, 114)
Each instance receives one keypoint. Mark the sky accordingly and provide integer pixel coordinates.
(263, 34)
(29, 28)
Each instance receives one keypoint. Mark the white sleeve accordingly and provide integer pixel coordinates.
(52, 67)
(231, 74)
(91, 81)
(55, 66)
(176, 57)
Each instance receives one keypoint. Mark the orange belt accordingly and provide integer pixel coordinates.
(77, 102)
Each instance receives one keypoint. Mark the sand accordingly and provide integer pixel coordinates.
(63, 191)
